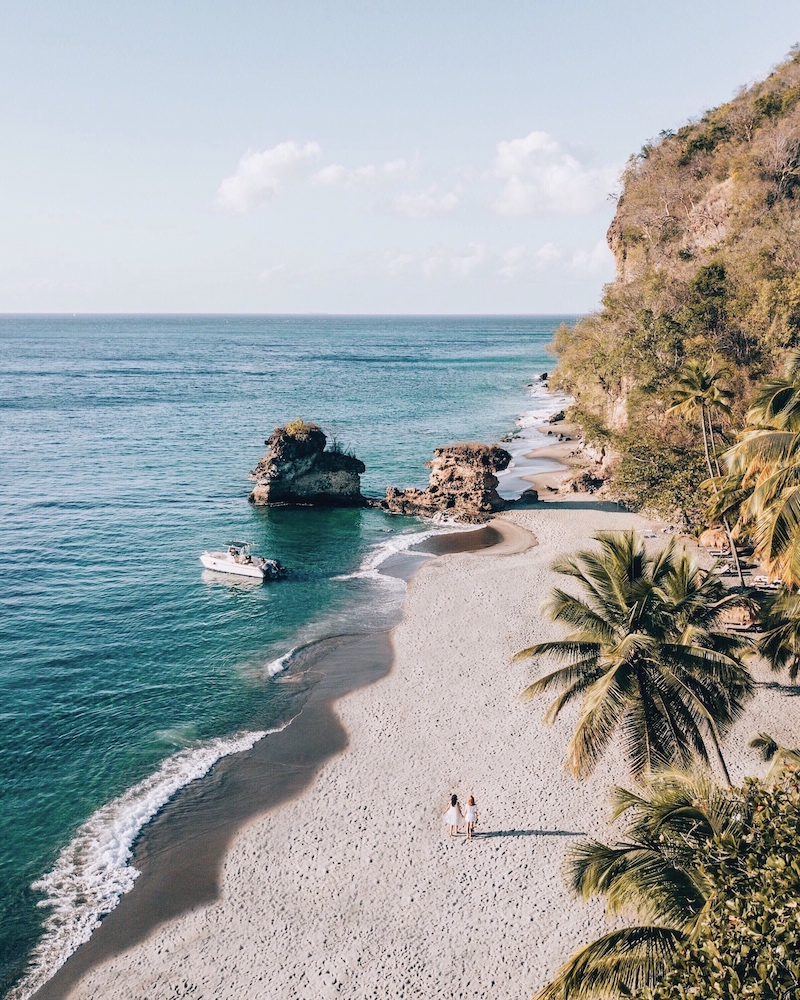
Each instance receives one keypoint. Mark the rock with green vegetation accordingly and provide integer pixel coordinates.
(707, 246)
(299, 469)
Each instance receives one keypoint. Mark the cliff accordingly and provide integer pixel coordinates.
(706, 239)
(298, 470)
(462, 484)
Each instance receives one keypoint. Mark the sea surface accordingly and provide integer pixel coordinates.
(125, 669)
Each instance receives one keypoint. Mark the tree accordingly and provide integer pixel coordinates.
(745, 943)
(699, 390)
(647, 656)
(656, 874)
(780, 642)
(782, 758)
(767, 461)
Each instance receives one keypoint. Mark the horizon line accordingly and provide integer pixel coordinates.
(258, 315)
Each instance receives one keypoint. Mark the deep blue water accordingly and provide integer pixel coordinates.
(125, 444)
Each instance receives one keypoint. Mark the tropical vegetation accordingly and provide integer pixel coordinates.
(647, 657)
(708, 277)
(714, 880)
(746, 943)
(657, 874)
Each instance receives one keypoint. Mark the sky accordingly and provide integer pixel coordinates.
(342, 157)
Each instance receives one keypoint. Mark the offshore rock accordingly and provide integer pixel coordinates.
(298, 470)
(462, 484)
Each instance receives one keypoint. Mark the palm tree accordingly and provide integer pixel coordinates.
(767, 460)
(647, 656)
(699, 391)
(780, 642)
(781, 757)
(657, 874)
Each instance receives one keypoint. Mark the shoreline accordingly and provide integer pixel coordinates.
(351, 887)
(399, 740)
(181, 851)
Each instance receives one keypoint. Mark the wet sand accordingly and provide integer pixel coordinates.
(351, 887)
(181, 852)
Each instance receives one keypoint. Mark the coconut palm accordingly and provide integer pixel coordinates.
(657, 874)
(777, 402)
(780, 642)
(767, 460)
(781, 757)
(699, 391)
(647, 656)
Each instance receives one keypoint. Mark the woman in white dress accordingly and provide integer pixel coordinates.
(454, 816)
(471, 816)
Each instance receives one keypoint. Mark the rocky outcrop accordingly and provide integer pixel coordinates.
(462, 484)
(298, 470)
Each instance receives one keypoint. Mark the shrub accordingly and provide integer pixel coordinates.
(748, 943)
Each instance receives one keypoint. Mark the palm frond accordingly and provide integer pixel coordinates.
(621, 962)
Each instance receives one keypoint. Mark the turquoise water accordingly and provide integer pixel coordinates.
(124, 448)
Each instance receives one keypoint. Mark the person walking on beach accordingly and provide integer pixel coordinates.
(471, 816)
(454, 815)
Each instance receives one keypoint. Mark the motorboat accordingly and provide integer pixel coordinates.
(238, 559)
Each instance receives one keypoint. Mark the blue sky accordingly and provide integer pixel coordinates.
(342, 157)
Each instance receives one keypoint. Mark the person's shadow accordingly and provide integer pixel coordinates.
(529, 833)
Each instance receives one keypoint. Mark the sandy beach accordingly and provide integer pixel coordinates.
(352, 888)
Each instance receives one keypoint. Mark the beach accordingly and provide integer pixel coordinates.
(352, 887)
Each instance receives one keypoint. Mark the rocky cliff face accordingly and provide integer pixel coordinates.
(298, 470)
(707, 253)
(462, 484)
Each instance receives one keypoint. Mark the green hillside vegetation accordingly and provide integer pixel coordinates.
(707, 243)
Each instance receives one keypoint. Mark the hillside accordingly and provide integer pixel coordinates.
(707, 245)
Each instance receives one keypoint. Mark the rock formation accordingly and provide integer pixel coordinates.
(462, 484)
(298, 470)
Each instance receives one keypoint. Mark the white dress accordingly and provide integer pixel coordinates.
(471, 814)
(453, 817)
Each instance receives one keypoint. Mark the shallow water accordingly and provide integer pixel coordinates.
(124, 449)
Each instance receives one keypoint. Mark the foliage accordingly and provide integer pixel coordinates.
(714, 874)
(746, 944)
(337, 448)
(707, 243)
(299, 428)
(656, 874)
(660, 476)
(764, 464)
(647, 656)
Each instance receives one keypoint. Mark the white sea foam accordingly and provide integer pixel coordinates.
(92, 872)
(278, 665)
(378, 554)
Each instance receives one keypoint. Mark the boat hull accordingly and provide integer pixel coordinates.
(222, 565)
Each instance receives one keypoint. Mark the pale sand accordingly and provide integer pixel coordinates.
(354, 889)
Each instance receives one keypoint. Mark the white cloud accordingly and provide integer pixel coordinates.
(521, 260)
(539, 175)
(261, 175)
(270, 272)
(370, 175)
(465, 263)
(439, 261)
(548, 254)
(427, 204)
(594, 261)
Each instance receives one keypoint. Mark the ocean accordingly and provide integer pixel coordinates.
(126, 670)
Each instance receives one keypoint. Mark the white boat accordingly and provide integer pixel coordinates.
(237, 559)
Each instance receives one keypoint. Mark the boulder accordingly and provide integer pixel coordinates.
(462, 484)
(528, 496)
(297, 469)
(585, 481)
